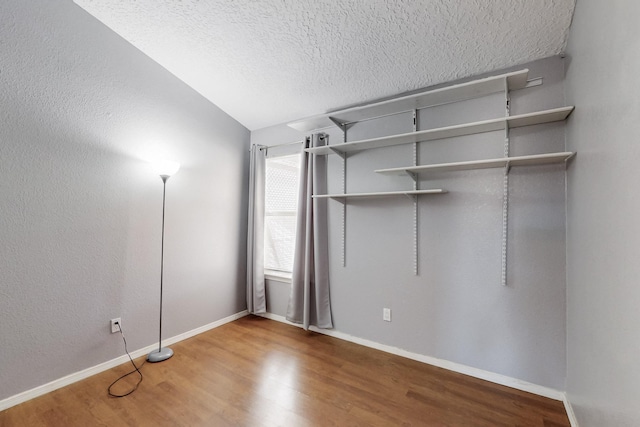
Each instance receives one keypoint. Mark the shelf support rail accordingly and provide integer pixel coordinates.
(505, 188)
(414, 176)
(343, 127)
(344, 206)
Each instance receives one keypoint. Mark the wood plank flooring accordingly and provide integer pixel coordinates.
(258, 372)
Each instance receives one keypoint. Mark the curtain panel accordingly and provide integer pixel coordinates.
(256, 297)
(309, 301)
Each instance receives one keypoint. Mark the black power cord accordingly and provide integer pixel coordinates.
(137, 369)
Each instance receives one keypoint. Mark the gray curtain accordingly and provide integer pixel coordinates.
(256, 299)
(309, 302)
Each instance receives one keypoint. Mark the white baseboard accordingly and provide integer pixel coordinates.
(85, 373)
(572, 415)
(452, 366)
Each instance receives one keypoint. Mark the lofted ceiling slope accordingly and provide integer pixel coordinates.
(267, 62)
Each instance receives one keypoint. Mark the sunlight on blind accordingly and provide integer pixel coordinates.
(281, 203)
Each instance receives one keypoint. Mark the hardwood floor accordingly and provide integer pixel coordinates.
(258, 372)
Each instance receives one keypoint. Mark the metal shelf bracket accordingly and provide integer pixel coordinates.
(342, 154)
(413, 176)
(343, 127)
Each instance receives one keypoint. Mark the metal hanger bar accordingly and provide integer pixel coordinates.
(266, 147)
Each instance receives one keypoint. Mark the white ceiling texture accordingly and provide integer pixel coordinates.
(267, 62)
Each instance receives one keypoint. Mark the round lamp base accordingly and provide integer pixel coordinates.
(159, 355)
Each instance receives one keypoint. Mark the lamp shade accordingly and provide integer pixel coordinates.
(165, 167)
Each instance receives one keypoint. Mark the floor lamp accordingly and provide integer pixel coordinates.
(165, 169)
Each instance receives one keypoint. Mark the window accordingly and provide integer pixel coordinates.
(281, 205)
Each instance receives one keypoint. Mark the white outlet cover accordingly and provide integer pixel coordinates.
(114, 327)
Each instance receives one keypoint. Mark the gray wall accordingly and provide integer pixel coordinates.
(603, 376)
(456, 309)
(80, 209)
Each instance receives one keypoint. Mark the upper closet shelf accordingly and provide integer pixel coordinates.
(538, 117)
(380, 194)
(535, 159)
(445, 95)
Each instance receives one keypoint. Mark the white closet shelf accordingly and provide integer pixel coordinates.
(538, 117)
(445, 95)
(536, 159)
(380, 194)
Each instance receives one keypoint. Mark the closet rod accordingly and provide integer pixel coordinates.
(266, 147)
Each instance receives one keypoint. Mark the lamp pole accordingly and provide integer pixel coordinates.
(162, 353)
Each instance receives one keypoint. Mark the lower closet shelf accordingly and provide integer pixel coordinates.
(380, 194)
(535, 159)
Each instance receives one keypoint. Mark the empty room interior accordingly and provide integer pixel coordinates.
(309, 213)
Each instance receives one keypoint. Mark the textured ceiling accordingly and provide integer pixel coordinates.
(266, 62)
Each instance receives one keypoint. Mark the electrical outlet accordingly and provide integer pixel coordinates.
(386, 314)
(115, 325)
